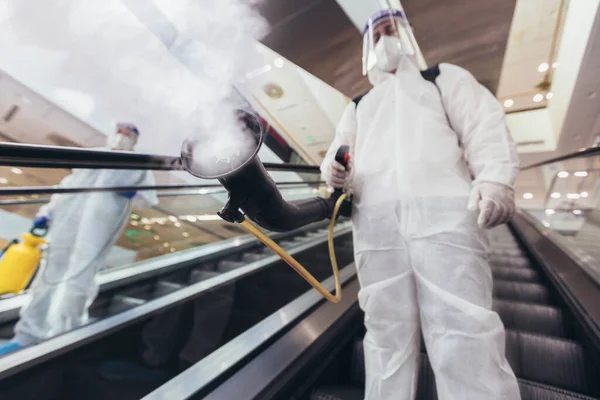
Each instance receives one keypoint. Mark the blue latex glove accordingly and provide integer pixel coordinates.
(128, 195)
(40, 223)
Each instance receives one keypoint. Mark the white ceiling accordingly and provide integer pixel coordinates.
(530, 45)
(304, 111)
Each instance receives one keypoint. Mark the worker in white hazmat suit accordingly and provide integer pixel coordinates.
(419, 219)
(83, 228)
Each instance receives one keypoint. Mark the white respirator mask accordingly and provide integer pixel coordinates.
(388, 52)
(121, 142)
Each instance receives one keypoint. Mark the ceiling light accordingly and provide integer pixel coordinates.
(185, 234)
(555, 195)
(3, 181)
(16, 171)
(191, 218)
(508, 103)
(546, 224)
(581, 173)
(538, 97)
(134, 223)
(550, 211)
(147, 227)
(156, 237)
(165, 244)
(172, 218)
(173, 249)
(528, 196)
(278, 62)
(549, 95)
(145, 221)
(583, 194)
(563, 174)
(177, 224)
(543, 67)
(555, 64)
(573, 196)
(577, 212)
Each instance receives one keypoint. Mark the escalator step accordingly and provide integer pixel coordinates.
(165, 287)
(198, 275)
(515, 274)
(228, 265)
(120, 303)
(551, 361)
(426, 389)
(510, 261)
(252, 257)
(537, 391)
(529, 390)
(506, 252)
(532, 318)
(519, 291)
(341, 392)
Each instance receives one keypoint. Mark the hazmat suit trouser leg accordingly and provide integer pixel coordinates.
(465, 339)
(389, 300)
(33, 326)
(442, 282)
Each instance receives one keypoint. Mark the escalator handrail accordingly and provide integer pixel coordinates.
(145, 269)
(45, 190)
(37, 156)
(205, 373)
(585, 152)
(29, 357)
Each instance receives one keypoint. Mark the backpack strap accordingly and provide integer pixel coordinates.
(431, 74)
(358, 98)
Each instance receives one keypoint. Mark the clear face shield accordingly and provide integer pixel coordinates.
(387, 37)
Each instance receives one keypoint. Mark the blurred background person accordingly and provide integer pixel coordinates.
(82, 229)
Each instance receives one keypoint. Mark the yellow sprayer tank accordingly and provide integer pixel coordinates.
(19, 263)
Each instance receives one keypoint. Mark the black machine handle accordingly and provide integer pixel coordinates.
(343, 157)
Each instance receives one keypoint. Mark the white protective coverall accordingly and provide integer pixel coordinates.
(422, 260)
(83, 229)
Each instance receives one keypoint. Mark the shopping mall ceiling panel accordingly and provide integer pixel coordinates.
(318, 36)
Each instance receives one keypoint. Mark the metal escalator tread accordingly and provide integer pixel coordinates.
(521, 291)
(552, 361)
(510, 261)
(506, 252)
(534, 318)
(537, 391)
(529, 390)
(520, 274)
(252, 257)
(426, 389)
(228, 265)
(337, 393)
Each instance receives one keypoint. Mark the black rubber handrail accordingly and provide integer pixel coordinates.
(45, 190)
(585, 152)
(35, 156)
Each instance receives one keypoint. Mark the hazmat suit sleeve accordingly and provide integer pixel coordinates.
(67, 181)
(345, 134)
(479, 121)
(146, 198)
